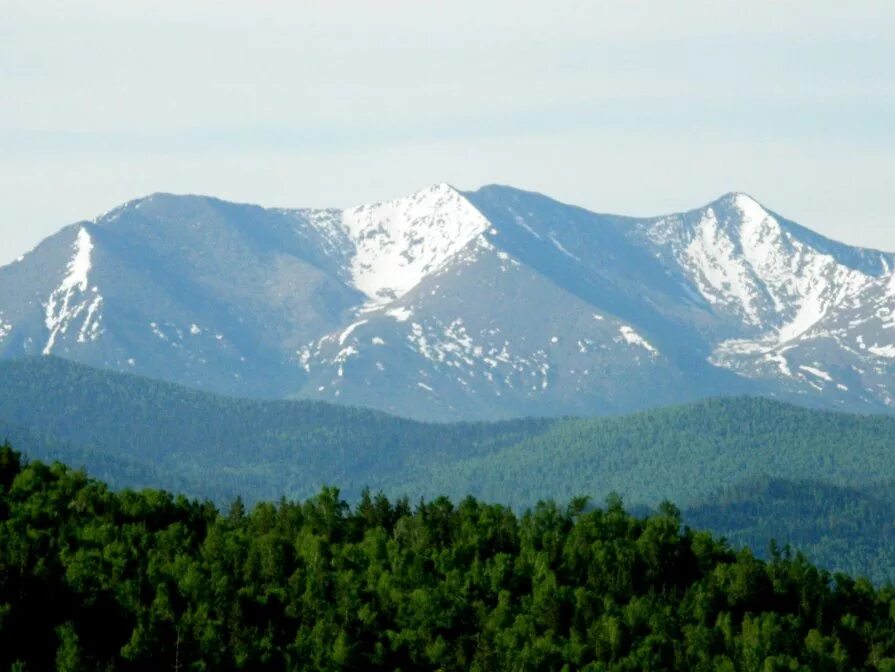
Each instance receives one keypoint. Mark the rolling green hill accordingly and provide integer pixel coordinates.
(683, 454)
(842, 528)
(135, 432)
(221, 446)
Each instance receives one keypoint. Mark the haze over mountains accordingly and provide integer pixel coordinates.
(449, 305)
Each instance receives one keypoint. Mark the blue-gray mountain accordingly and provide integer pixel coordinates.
(448, 305)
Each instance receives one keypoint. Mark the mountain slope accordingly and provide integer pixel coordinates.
(445, 305)
(683, 454)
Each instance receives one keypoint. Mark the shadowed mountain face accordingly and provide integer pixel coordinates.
(449, 305)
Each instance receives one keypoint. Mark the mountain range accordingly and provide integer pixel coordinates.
(450, 305)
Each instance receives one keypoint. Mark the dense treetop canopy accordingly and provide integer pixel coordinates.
(91, 579)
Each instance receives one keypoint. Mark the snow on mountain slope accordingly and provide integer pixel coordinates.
(844, 359)
(594, 257)
(187, 289)
(489, 337)
(74, 297)
(398, 243)
(5, 328)
(450, 305)
(792, 296)
(749, 264)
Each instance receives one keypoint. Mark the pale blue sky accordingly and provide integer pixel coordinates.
(629, 107)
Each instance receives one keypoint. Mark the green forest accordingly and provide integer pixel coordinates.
(849, 529)
(749, 469)
(93, 579)
(216, 447)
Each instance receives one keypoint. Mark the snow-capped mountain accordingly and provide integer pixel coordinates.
(447, 305)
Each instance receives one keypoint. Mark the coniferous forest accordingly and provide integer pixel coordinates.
(750, 469)
(92, 579)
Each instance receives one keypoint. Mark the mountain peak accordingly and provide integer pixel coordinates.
(401, 241)
(157, 202)
(462, 305)
(752, 214)
(739, 200)
(441, 188)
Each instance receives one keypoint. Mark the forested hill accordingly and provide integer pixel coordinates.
(134, 431)
(845, 528)
(711, 457)
(91, 579)
(682, 453)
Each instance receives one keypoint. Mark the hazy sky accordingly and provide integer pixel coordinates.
(633, 107)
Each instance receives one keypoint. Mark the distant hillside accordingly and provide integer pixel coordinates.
(265, 449)
(844, 529)
(163, 435)
(683, 453)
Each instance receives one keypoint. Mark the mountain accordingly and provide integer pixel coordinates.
(447, 305)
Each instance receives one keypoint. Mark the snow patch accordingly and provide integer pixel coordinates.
(74, 297)
(157, 331)
(887, 351)
(631, 337)
(782, 363)
(400, 242)
(823, 375)
(562, 249)
(521, 222)
(401, 314)
(345, 334)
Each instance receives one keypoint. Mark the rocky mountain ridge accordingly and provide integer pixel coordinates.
(462, 305)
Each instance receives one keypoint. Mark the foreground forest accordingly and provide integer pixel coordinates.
(91, 579)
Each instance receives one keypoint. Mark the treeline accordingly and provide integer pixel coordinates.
(91, 579)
